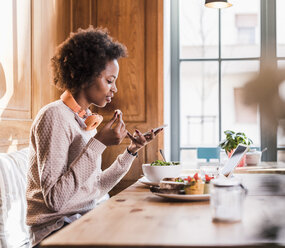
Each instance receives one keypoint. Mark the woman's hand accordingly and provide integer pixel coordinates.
(113, 136)
(139, 140)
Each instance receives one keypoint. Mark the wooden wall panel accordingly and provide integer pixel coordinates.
(32, 30)
(136, 23)
(154, 73)
(14, 134)
(15, 74)
(80, 14)
(15, 59)
(125, 20)
(51, 26)
(139, 25)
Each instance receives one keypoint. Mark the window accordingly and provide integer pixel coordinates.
(280, 22)
(213, 54)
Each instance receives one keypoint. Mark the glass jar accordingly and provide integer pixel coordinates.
(227, 196)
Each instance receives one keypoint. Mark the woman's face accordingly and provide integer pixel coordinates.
(103, 88)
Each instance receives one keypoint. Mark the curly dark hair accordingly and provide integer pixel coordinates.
(83, 56)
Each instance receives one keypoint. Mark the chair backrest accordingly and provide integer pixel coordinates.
(208, 153)
(13, 180)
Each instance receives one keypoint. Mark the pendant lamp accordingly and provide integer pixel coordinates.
(217, 4)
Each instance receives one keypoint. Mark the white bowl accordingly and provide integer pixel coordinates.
(156, 173)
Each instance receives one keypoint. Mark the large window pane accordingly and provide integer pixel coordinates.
(236, 115)
(281, 127)
(198, 30)
(199, 104)
(280, 23)
(240, 29)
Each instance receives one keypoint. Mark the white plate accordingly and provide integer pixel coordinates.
(204, 197)
(145, 181)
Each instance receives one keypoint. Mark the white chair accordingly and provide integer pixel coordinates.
(14, 232)
(13, 170)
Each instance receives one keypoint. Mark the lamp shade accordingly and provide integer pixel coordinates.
(217, 4)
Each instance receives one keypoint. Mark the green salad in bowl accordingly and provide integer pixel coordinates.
(162, 163)
(158, 170)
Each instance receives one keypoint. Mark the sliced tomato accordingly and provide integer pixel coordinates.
(189, 179)
(207, 178)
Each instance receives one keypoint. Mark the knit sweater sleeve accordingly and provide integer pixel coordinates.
(60, 183)
(112, 175)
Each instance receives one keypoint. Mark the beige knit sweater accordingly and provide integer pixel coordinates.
(65, 175)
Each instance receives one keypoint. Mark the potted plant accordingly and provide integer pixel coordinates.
(231, 142)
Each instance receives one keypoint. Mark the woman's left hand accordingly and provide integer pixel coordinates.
(139, 140)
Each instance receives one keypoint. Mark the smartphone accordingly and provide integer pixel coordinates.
(234, 160)
(155, 129)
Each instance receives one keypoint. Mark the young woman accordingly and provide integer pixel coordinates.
(65, 179)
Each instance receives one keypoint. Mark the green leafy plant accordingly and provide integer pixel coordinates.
(233, 139)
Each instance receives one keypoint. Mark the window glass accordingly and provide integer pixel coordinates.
(240, 29)
(199, 104)
(198, 30)
(281, 127)
(236, 115)
(240, 32)
(280, 23)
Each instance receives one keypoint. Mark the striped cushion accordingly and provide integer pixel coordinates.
(13, 171)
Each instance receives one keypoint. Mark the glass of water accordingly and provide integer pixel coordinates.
(227, 197)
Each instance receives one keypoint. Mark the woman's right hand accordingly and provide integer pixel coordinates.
(109, 135)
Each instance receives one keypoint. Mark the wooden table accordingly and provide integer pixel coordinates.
(264, 168)
(137, 218)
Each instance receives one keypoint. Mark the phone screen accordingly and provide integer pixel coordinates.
(155, 129)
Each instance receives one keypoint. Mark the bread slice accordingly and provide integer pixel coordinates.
(171, 183)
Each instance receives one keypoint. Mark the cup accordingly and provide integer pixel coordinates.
(227, 197)
(253, 158)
